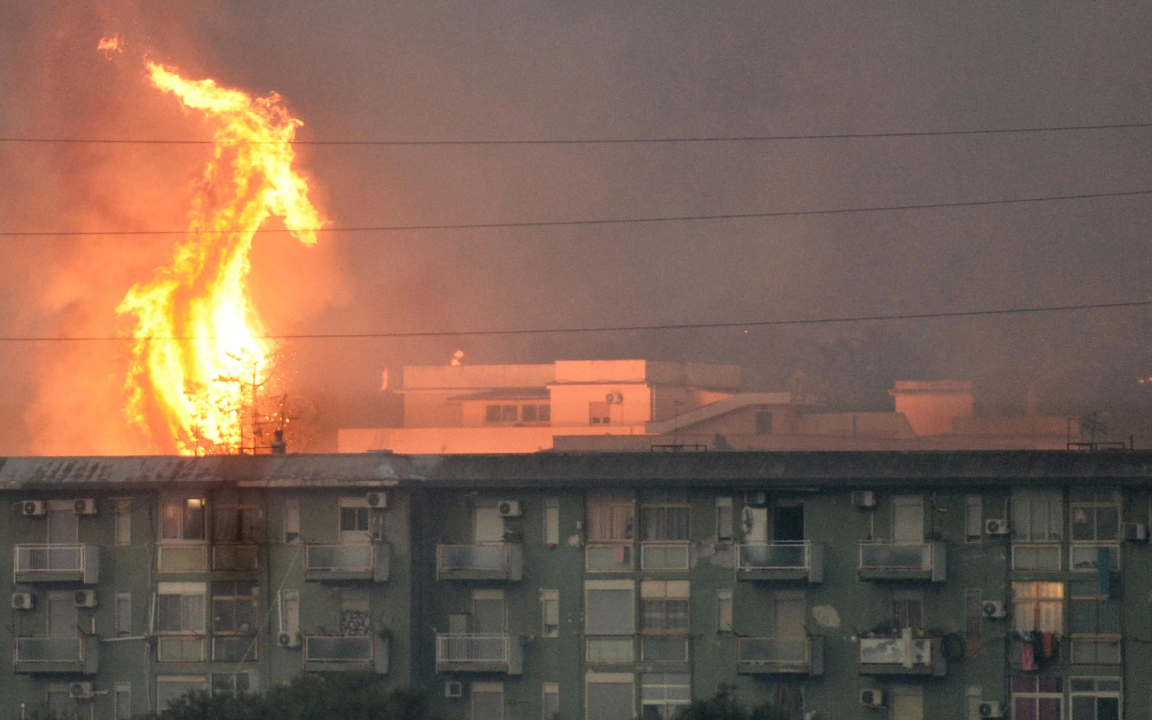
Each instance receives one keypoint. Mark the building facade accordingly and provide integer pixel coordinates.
(589, 586)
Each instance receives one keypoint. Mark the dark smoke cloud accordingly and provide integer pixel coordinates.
(450, 69)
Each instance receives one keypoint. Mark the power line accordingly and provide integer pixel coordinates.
(610, 221)
(599, 141)
(627, 328)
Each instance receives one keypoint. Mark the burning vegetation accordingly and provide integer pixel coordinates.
(200, 362)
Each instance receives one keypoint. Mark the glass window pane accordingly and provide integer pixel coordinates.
(1108, 708)
(1025, 709)
(1051, 685)
(1050, 709)
(1083, 707)
(347, 519)
(1108, 523)
(610, 701)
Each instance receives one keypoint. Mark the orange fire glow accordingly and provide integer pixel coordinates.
(189, 388)
(109, 45)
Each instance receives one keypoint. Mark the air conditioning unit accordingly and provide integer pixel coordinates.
(453, 689)
(81, 691)
(614, 398)
(1135, 532)
(996, 526)
(994, 610)
(864, 498)
(377, 500)
(991, 710)
(288, 640)
(34, 508)
(509, 508)
(84, 506)
(872, 697)
(85, 599)
(23, 601)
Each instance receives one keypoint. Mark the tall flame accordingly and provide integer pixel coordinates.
(195, 331)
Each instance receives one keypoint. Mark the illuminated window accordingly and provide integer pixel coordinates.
(1038, 606)
(182, 519)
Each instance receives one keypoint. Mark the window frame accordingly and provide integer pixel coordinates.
(1096, 692)
(183, 590)
(183, 519)
(550, 610)
(1039, 601)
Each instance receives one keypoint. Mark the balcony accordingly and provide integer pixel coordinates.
(780, 656)
(802, 560)
(480, 561)
(615, 557)
(182, 558)
(181, 648)
(610, 649)
(235, 558)
(336, 653)
(75, 655)
(57, 563)
(347, 562)
(901, 655)
(904, 561)
(493, 653)
(664, 556)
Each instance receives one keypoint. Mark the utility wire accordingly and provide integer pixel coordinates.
(610, 221)
(598, 141)
(624, 328)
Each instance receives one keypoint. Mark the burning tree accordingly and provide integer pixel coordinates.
(201, 354)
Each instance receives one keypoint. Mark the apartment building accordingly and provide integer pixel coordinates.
(838, 585)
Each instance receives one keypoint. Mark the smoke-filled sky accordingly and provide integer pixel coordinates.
(534, 70)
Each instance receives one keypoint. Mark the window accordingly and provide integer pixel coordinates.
(599, 413)
(492, 413)
(234, 609)
(609, 620)
(528, 413)
(354, 613)
(234, 684)
(1037, 515)
(610, 696)
(290, 611)
(1095, 515)
(1037, 698)
(665, 518)
(172, 687)
(123, 701)
(292, 520)
(908, 612)
(552, 521)
(536, 413)
(1094, 698)
(724, 516)
(487, 701)
(724, 610)
(182, 519)
(180, 607)
(973, 518)
(763, 420)
(1038, 606)
(662, 695)
(550, 612)
(123, 613)
(551, 701)
(237, 522)
(665, 606)
(123, 514)
(610, 520)
(1094, 624)
(354, 519)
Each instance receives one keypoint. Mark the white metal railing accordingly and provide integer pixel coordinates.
(902, 650)
(469, 648)
(180, 648)
(50, 558)
(495, 557)
(609, 557)
(895, 556)
(339, 648)
(770, 652)
(49, 650)
(339, 558)
(775, 556)
(664, 556)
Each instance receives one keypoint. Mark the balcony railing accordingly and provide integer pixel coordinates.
(664, 649)
(903, 561)
(614, 557)
(800, 560)
(235, 558)
(182, 558)
(1096, 649)
(501, 653)
(235, 649)
(480, 561)
(181, 648)
(664, 556)
(784, 656)
(348, 562)
(57, 655)
(901, 655)
(57, 563)
(610, 649)
(346, 652)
